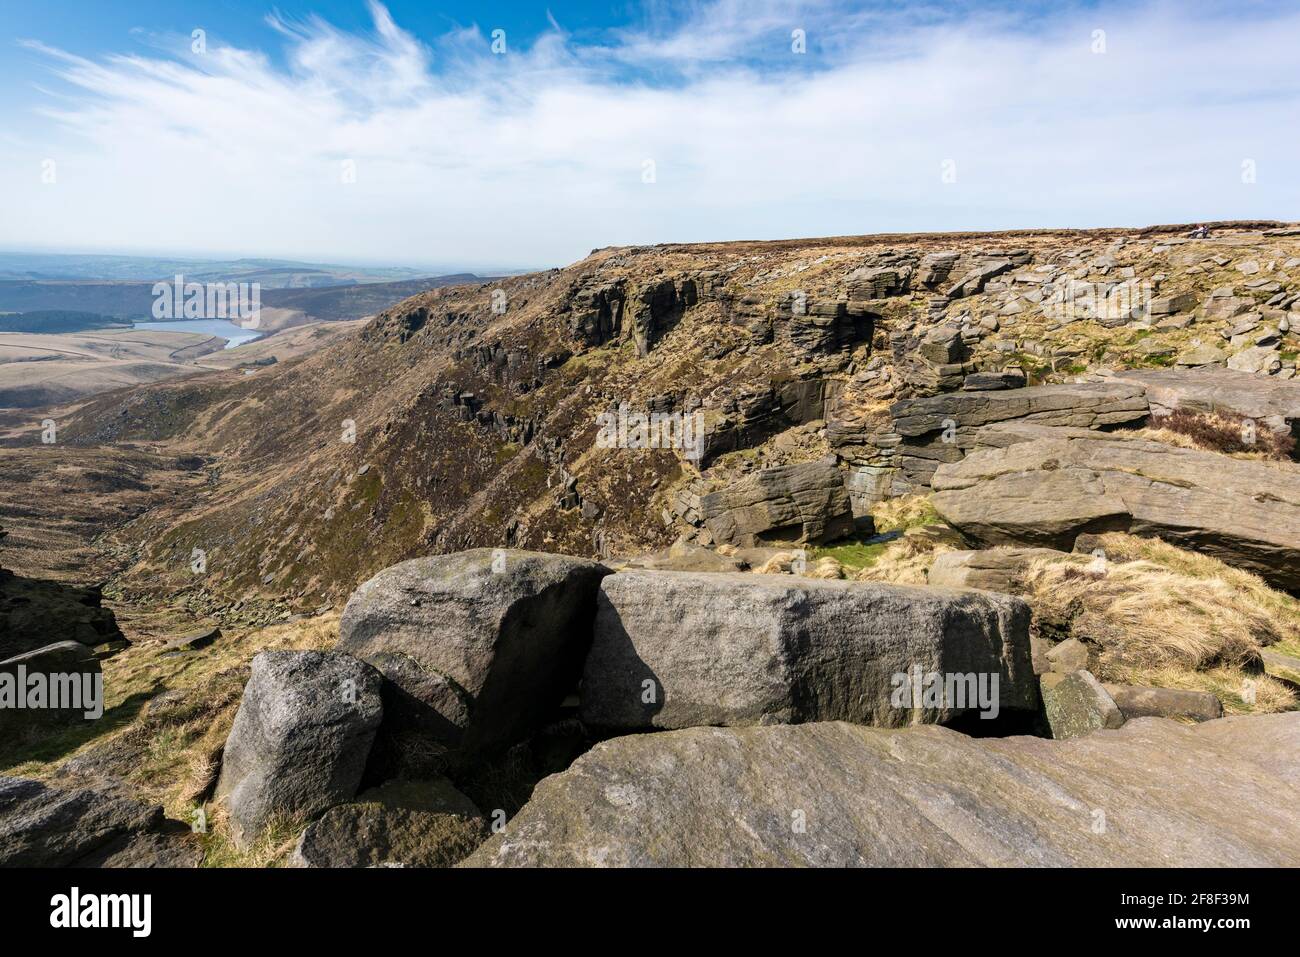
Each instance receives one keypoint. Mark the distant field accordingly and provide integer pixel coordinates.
(37, 370)
(281, 307)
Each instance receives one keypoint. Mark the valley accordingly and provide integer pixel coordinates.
(1061, 459)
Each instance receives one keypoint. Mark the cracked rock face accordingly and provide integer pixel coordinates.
(679, 649)
(841, 795)
(804, 503)
(482, 644)
(1048, 491)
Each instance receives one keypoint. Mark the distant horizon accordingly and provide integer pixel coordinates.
(435, 270)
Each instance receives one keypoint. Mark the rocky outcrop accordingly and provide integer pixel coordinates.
(836, 794)
(482, 645)
(36, 613)
(300, 739)
(403, 823)
(943, 428)
(1272, 403)
(796, 504)
(679, 649)
(1048, 491)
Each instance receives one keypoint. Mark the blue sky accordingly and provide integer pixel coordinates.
(347, 130)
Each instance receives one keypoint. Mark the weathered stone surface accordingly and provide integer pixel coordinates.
(42, 826)
(1076, 704)
(1068, 656)
(1273, 403)
(36, 613)
(684, 557)
(499, 636)
(804, 503)
(172, 847)
(408, 823)
(943, 428)
(994, 569)
(1048, 491)
(1258, 360)
(194, 640)
(300, 739)
(678, 649)
(1139, 702)
(836, 794)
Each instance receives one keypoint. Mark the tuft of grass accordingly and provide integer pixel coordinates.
(852, 555)
(904, 512)
(1160, 615)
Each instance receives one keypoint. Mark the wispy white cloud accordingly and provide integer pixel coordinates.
(462, 156)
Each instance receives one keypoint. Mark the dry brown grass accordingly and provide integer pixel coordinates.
(1162, 616)
(904, 512)
(906, 561)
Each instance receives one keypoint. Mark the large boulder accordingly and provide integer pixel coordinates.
(796, 504)
(300, 739)
(680, 649)
(1047, 492)
(43, 826)
(479, 647)
(944, 428)
(1153, 793)
(406, 823)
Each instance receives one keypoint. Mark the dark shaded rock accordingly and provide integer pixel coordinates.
(408, 823)
(35, 614)
(493, 639)
(42, 826)
(67, 674)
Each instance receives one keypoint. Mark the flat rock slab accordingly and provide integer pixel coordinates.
(300, 739)
(43, 826)
(994, 569)
(1154, 793)
(1048, 491)
(194, 641)
(486, 642)
(1273, 402)
(1136, 701)
(682, 649)
(407, 823)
